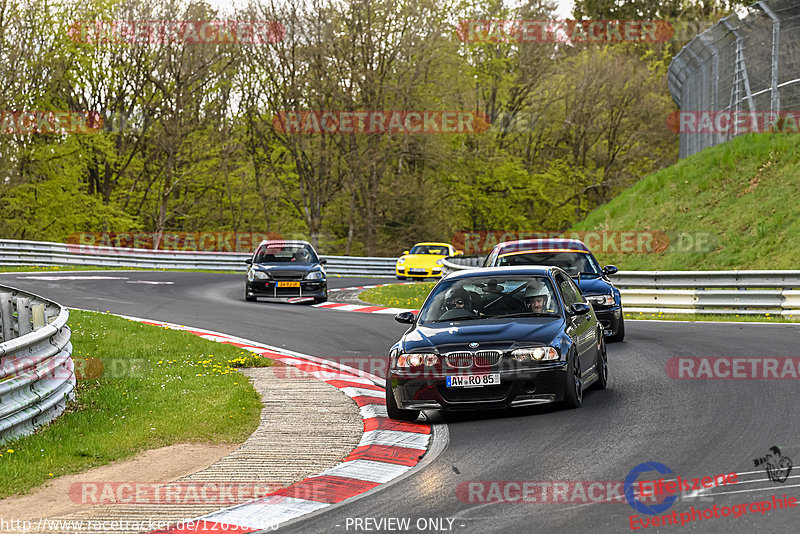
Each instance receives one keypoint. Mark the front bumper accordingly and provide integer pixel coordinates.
(609, 318)
(421, 389)
(269, 288)
(418, 272)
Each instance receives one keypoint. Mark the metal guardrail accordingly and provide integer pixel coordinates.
(700, 292)
(37, 375)
(41, 253)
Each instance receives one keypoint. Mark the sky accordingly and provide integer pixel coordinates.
(563, 12)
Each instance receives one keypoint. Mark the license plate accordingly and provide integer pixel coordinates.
(417, 271)
(473, 381)
(288, 284)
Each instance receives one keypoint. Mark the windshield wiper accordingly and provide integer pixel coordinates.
(465, 318)
(525, 314)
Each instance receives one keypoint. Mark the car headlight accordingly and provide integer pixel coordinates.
(401, 260)
(416, 360)
(255, 274)
(314, 275)
(601, 300)
(439, 261)
(535, 354)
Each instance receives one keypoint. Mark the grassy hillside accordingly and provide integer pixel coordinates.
(741, 198)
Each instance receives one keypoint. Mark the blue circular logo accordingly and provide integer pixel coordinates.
(474, 345)
(630, 495)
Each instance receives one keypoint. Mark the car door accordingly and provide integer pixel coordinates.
(580, 327)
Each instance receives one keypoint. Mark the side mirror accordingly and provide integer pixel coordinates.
(405, 317)
(609, 270)
(404, 253)
(323, 261)
(580, 308)
(249, 261)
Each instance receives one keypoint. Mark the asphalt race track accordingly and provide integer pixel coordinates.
(696, 427)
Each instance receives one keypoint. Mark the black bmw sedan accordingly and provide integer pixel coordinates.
(286, 269)
(575, 258)
(497, 338)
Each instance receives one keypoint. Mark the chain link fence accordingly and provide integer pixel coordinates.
(748, 63)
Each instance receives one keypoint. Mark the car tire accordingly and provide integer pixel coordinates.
(602, 366)
(401, 277)
(248, 297)
(619, 335)
(573, 389)
(320, 300)
(395, 412)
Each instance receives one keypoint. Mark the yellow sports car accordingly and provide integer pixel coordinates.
(424, 260)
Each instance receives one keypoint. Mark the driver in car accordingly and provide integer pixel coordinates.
(537, 298)
(457, 298)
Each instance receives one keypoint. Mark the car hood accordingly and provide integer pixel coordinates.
(287, 268)
(490, 334)
(421, 260)
(594, 286)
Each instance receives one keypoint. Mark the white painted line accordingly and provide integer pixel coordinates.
(395, 438)
(369, 470)
(329, 376)
(373, 410)
(149, 282)
(67, 277)
(362, 392)
(265, 513)
(393, 311)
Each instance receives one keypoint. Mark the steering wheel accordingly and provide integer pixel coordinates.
(456, 313)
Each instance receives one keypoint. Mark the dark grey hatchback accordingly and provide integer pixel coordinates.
(286, 269)
(497, 338)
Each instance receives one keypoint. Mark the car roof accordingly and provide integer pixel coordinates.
(549, 244)
(536, 270)
(284, 242)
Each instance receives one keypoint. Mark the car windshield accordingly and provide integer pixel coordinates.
(490, 296)
(439, 250)
(572, 262)
(285, 253)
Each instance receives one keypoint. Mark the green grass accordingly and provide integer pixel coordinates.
(158, 387)
(767, 318)
(398, 295)
(741, 193)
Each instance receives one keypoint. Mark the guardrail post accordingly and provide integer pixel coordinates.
(24, 316)
(37, 311)
(6, 317)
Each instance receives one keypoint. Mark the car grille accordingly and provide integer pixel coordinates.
(489, 393)
(465, 360)
(287, 275)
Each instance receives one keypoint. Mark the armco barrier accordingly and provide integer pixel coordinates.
(699, 292)
(37, 375)
(15, 252)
